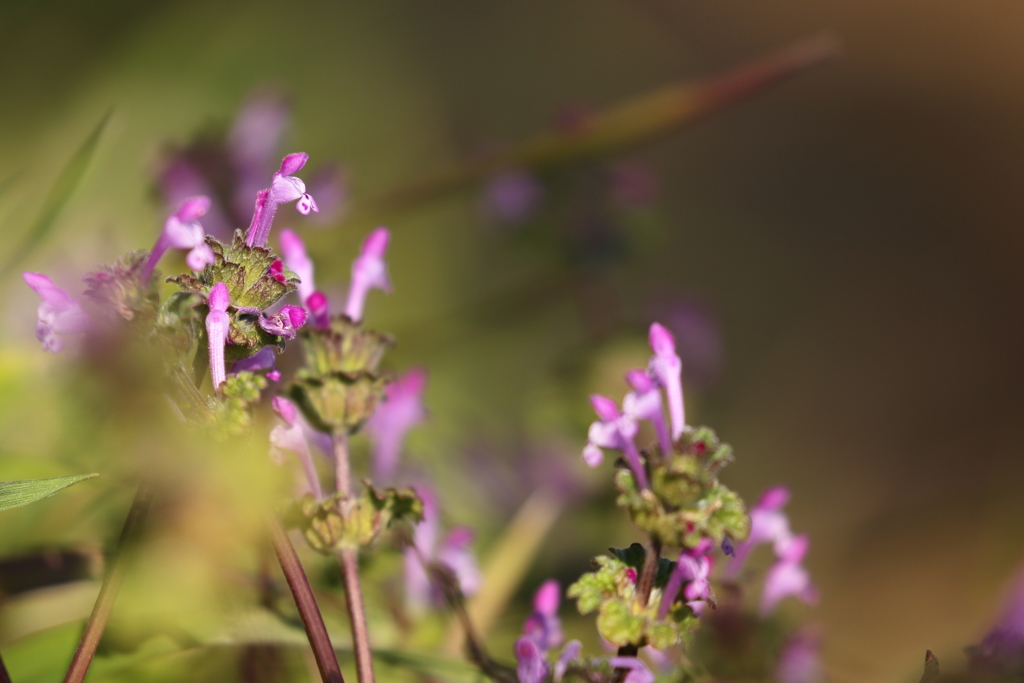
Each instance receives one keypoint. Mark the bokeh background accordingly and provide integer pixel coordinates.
(841, 256)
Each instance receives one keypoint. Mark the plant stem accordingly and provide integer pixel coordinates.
(4, 676)
(349, 559)
(323, 651)
(108, 590)
(644, 586)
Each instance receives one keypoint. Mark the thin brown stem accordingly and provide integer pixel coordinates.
(323, 651)
(4, 676)
(349, 558)
(644, 586)
(108, 590)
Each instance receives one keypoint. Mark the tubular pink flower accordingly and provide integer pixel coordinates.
(788, 577)
(217, 322)
(531, 666)
(58, 313)
(284, 188)
(368, 272)
(693, 566)
(264, 359)
(291, 437)
(768, 524)
(615, 430)
(544, 626)
(401, 410)
(667, 369)
(295, 257)
(182, 231)
(638, 671)
(570, 653)
(644, 403)
(319, 310)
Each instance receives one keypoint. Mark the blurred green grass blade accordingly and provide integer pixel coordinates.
(15, 494)
(623, 125)
(63, 188)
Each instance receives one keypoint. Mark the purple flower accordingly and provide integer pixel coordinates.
(512, 197)
(544, 626)
(570, 652)
(368, 272)
(800, 660)
(615, 430)
(401, 410)
(693, 566)
(531, 665)
(284, 188)
(182, 231)
(291, 436)
(58, 313)
(264, 359)
(295, 257)
(217, 323)
(638, 671)
(180, 180)
(788, 577)
(285, 323)
(768, 524)
(453, 552)
(667, 369)
(644, 403)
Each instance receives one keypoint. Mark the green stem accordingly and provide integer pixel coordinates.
(108, 591)
(323, 650)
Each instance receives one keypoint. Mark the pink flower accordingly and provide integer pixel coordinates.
(58, 313)
(531, 665)
(401, 410)
(788, 577)
(284, 188)
(667, 369)
(295, 257)
(453, 552)
(544, 626)
(644, 403)
(291, 436)
(368, 272)
(800, 660)
(694, 567)
(183, 231)
(616, 430)
(217, 323)
(768, 524)
(264, 359)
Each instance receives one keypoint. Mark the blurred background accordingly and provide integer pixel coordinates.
(840, 257)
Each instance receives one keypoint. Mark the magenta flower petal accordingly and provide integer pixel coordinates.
(293, 163)
(667, 368)
(217, 323)
(182, 231)
(58, 312)
(294, 251)
(531, 667)
(401, 410)
(284, 188)
(369, 271)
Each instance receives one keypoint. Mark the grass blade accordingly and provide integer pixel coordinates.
(15, 494)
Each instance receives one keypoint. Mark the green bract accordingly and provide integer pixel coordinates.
(686, 502)
(621, 620)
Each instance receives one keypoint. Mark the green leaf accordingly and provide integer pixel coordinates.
(63, 188)
(14, 494)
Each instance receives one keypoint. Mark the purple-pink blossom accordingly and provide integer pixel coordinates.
(768, 524)
(217, 323)
(644, 403)
(616, 430)
(800, 660)
(667, 369)
(531, 666)
(264, 359)
(369, 271)
(401, 410)
(453, 552)
(182, 230)
(512, 196)
(291, 436)
(543, 626)
(294, 251)
(58, 313)
(693, 567)
(284, 188)
(788, 577)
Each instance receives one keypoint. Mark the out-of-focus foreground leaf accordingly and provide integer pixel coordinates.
(63, 188)
(14, 494)
(622, 126)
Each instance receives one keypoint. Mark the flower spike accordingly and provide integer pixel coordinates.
(183, 231)
(667, 369)
(284, 188)
(368, 272)
(58, 313)
(217, 323)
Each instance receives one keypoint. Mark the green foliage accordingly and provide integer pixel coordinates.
(340, 386)
(15, 494)
(337, 522)
(232, 414)
(686, 502)
(621, 619)
(634, 557)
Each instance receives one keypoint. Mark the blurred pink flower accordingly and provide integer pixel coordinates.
(401, 410)
(182, 231)
(369, 271)
(616, 430)
(58, 313)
